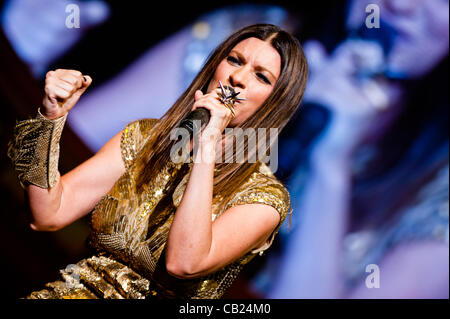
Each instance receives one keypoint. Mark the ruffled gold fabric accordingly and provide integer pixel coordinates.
(34, 150)
(94, 277)
(132, 230)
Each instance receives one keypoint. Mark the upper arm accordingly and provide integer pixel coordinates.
(249, 224)
(86, 184)
(237, 231)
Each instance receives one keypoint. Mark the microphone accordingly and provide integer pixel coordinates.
(201, 114)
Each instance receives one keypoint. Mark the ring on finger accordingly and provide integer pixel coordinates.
(230, 106)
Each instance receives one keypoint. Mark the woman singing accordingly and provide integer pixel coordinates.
(162, 228)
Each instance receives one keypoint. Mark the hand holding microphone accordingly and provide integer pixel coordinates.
(204, 110)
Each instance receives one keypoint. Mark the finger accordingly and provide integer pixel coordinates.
(196, 105)
(230, 107)
(68, 75)
(76, 81)
(68, 71)
(215, 100)
(214, 93)
(198, 95)
(210, 99)
(65, 86)
(87, 80)
(75, 73)
(204, 103)
(51, 100)
(59, 93)
(50, 74)
(50, 93)
(214, 106)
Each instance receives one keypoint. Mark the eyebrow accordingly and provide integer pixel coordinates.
(259, 67)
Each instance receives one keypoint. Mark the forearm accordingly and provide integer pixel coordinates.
(44, 205)
(34, 148)
(34, 152)
(190, 236)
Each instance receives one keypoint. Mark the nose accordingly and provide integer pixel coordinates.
(238, 78)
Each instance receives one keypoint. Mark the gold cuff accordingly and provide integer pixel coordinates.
(34, 150)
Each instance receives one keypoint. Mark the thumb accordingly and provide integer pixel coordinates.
(87, 80)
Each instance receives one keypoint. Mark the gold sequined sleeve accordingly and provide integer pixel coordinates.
(134, 136)
(266, 190)
(34, 150)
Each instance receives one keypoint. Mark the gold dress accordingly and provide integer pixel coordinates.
(129, 232)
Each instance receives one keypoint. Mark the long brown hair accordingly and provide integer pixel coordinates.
(275, 112)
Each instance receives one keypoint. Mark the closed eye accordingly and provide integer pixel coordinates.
(233, 60)
(263, 77)
(236, 61)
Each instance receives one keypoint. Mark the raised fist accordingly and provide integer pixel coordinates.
(63, 88)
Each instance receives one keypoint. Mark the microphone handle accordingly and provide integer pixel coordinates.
(201, 114)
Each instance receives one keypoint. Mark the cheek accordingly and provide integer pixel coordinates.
(220, 74)
(221, 71)
(258, 94)
(255, 98)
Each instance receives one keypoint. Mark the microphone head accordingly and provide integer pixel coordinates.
(201, 114)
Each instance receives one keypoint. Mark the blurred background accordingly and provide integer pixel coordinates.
(365, 158)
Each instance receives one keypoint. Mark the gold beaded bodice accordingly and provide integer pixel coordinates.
(130, 231)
